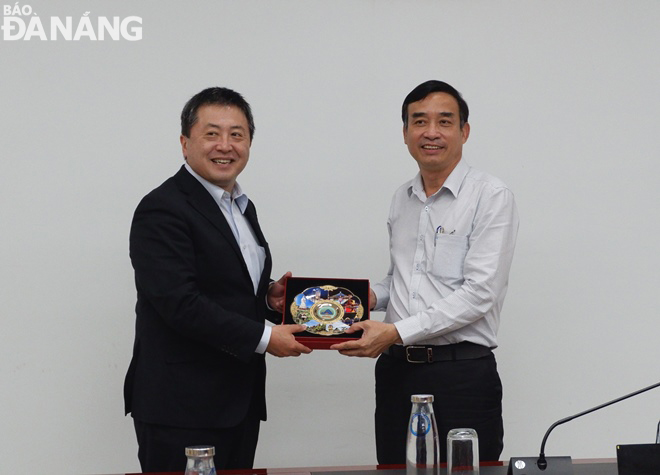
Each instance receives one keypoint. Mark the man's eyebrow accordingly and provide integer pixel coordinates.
(425, 114)
(231, 127)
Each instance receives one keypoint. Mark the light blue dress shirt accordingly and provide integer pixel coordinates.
(233, 207)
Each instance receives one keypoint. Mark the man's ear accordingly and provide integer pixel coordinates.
(465, 131)
(184, 145)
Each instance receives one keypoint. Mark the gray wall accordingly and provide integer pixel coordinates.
(564, 99)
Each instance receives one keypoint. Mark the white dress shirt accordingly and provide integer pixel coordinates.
(233, 207)
(450, 258)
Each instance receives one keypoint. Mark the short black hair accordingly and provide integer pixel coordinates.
(214, 95)
(429, 87)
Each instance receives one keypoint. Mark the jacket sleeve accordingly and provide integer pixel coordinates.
(186, 274)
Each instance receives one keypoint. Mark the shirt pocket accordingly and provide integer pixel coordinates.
(449, 255)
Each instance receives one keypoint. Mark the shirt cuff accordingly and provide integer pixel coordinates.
(409, 330)
(265, 339)
(382, 297)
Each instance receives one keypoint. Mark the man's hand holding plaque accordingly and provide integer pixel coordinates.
(376, 338)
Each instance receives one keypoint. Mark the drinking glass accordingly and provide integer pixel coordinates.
(462, 452)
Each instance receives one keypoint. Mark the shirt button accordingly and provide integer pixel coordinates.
(421, 237)
(414, 295)
(426, 208)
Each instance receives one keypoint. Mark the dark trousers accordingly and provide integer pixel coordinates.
(162, 448)
(467, 393)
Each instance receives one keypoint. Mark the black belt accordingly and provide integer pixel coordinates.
(430, 354)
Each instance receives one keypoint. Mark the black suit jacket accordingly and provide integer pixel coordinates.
(198, 321)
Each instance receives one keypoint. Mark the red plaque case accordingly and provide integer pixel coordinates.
(327, 306)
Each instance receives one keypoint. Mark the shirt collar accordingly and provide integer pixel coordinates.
(219, 193)
(452, 183)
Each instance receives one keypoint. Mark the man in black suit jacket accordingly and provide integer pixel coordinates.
(202, 272)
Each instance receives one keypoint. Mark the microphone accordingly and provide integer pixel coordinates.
(558, 465)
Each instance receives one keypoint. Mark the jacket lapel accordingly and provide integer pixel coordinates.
(251, 215)
(203, 202)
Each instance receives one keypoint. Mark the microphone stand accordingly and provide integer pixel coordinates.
(560, 465)
(542, 463)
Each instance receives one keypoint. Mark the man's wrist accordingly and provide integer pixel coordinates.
(270, 286)
(265, 339)
(396, 337)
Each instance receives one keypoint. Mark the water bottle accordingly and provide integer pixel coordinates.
(200, 460)
(423, 445)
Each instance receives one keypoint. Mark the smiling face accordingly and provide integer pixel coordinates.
(218, 148)
(434, 135)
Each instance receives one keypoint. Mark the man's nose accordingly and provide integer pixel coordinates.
(223, 144)
(432, 131)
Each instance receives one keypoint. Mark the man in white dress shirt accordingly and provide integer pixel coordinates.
(452, 236)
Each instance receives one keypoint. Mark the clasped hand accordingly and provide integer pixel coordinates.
(377, 337)
(282, 342)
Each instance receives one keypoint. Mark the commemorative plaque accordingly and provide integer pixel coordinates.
(327, 307)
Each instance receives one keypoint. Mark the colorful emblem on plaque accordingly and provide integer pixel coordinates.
(326, 310)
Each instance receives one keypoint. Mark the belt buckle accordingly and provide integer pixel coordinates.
(429, 354)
